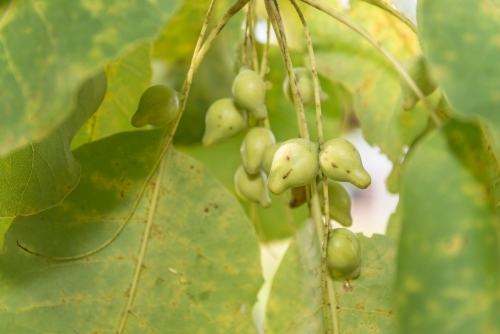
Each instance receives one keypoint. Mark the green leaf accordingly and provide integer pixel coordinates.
(375, 84)
(460, 40)
(4, 226)
(448, 272)
(42, 174)
(128, 77)
(364, 305)
(201, 266)
(47, 50)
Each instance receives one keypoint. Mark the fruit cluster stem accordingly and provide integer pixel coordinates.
(327, 297)
(275, 17)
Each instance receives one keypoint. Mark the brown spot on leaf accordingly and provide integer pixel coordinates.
(334, 165)
(206, 210)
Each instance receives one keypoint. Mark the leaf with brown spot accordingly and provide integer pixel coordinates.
(199, 267)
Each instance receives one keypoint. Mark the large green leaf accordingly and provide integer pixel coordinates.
(448, 267)
(48, 48)
(42, 174)
(200, 272)
(364, 305)
(128, 77)
(460, 39)
(344, 56)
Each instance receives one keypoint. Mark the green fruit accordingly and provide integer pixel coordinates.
(249, 92)
(340, 161)
(419, 70)
(253, 146)
(343, 254)
(158, 105)
(267, 157)
(223, 120)
(339, 202)
(294, 164)
(252, 188)
(305, 85)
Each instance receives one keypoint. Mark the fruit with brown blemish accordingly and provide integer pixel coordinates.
(267, 157)
(305, 86)
(419, 70)
(249, 92)
(222, 121)
(252, 188)
(256, 141)
(158, 106)
(339, 202)
(340, 161)
(343, 254)
(294, 164)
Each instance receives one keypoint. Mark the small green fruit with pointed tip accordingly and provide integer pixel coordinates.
(294, 164)
(158, 106)
(267, 157)
(305, 85)
(222, 121)
(419, 70)
(339, 202)
(253, 146)
(252, 188)
(340, 161)
(343, 254)
(249, 92)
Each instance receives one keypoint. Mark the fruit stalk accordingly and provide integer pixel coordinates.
(275, 18)
(329, 303)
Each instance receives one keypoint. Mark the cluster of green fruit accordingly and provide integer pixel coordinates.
(276, 167)
(271, 166)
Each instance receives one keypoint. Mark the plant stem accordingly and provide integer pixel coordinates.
(263, 62)
(274, 15)
(144, 243)
(354, 26)
(333, 305)
(251, 35)
(382, 5)
(198, 57)
(319, 125)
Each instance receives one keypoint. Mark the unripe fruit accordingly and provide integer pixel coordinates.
(418, 69)
(340, 161)
(249, 92)
(343, 254)
(305, 86)
(267, 157)
(253, 146)
(252, 187)
(223, 120)
(339, 202)
(294, 164)
(158, 106)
